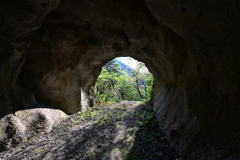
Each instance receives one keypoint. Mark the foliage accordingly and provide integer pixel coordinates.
(115, 84)
(106, 117)
(122, 116)
(82, 116)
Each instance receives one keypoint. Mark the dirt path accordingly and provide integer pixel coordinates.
(121, 131)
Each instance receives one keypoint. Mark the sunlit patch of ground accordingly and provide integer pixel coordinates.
(123, 130)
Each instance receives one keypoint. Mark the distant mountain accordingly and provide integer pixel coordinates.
(124, 66)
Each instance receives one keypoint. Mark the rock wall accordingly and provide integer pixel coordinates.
(52, 53)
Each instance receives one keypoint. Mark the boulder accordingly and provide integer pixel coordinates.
(24, 125)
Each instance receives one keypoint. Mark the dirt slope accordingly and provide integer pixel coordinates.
(122, 131)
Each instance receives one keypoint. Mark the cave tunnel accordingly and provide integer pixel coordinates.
(52, 53)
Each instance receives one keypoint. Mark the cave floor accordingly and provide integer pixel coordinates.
(124, 130)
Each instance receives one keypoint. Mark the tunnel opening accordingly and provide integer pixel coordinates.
(124, 78)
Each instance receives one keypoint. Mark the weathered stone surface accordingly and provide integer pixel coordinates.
(18, 21)
(23, 125)
(192, 49)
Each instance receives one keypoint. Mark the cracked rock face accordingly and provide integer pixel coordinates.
(52, 53)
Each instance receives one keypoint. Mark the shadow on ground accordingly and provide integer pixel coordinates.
(122, 131)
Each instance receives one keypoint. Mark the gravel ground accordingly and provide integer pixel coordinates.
(120, 131)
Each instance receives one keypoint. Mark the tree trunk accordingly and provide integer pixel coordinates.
(138, 88)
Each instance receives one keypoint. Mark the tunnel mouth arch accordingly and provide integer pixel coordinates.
(124, 78)
(63, 76)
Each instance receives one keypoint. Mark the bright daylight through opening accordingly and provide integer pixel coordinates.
(124, 78)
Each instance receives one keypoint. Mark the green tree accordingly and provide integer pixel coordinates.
(114, 83)
(105, 85)
(143, 81)
(113, 66)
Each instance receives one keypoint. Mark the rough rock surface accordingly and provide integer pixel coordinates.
(52, 52)
(26, 124)
(111, 132)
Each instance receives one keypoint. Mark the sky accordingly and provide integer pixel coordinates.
(131, 62)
